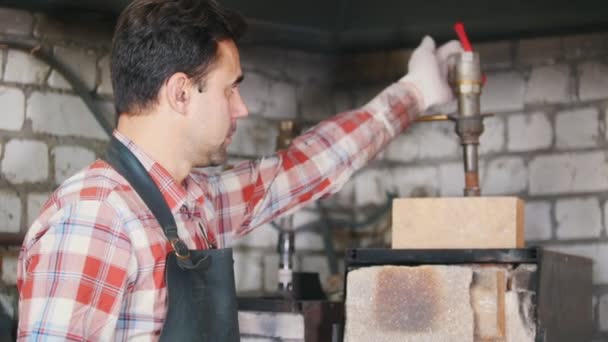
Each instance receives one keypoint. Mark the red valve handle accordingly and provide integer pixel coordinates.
(462, 36)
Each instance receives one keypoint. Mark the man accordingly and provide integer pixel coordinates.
(92, 266)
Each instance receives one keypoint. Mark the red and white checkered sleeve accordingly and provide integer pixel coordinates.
(318, 163)
(73, 273)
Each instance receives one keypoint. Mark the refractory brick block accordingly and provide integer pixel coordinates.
(458, 222)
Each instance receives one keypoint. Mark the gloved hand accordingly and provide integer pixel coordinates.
(428, 70)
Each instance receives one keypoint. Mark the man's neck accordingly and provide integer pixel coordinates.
(159, 141)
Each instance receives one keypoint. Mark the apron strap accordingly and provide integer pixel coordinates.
(126, 164)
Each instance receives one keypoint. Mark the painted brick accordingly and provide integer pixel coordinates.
(9, 269)
(35, 201)
(10, 212)
(528, 132)
(578, 218)
(13, 108)
(254, 137)
(549, 84)
(371, 186)
(539, 51)
(69, 160)
(315, 102)
(255, 90)
(264, 60)
(415, 181)
(24, 68)
(505, 176)
(585, 45)
(495, 54)
(16, 22)
(79, 61)
(568, 173)
(25, 161)
(425, 141)
(577, 128)
(493, 137)
(63, 115)
(247, 271)
(598, 252)
(503, 92)
(105, 86)
(593, 81)
(538, 221)
(603, 313)
(264, 236)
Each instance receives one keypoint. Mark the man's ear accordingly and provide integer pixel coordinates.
(178, 91)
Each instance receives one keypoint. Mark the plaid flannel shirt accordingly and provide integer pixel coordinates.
(92, 265)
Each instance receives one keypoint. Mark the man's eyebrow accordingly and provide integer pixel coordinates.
(238, 80)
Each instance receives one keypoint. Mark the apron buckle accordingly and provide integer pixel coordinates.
(180, 249)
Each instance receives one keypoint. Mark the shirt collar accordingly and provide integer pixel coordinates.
(173, 193)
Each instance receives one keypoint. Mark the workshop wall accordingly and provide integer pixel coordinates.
(547, 142)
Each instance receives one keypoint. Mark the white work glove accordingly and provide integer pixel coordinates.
(428, 72)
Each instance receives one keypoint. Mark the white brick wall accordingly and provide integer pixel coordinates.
(505, 176)
(62, 115)
(538, 220)
(79, 61)
(282, 102)
(578, 218)
(414, 182)
(425, 141)
(9, 269)
(24, 68)
(255, 90)
(549, 84)
(568, 173)
(371, 186)
(248, 271)
(493, 138)
(25, 161)
(35, 201)
(593, 81)
(10, 212)
(527, 132)
(577, 128)
(13, 108)
(315, 102)
(262, 237)
(539, 50)
(105, 85)
(254, 137)
(69, 160)
(503, 91)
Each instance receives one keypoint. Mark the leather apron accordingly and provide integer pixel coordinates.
(200, 283)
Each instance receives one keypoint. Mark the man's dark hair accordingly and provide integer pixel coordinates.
(156, 38)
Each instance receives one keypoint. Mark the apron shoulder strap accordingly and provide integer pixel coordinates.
(126, 164)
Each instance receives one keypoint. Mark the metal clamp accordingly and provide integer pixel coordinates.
(180, 249)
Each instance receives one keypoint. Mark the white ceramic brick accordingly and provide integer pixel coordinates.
(63, 115)
(81, 62)
(69, 160)
(578, 218)
(425, 141)
(25, 161)
(255, 90)
(35, 201)
(17, 22)
(593, 81)
(598, 252)
(549, 84)
(247, 271)
(10, 212)
(24, 68)
(414, 181)
(13, 108)
(568, 173)
(254, 137)
(105, 86)
(577, 128)
(528, 132)
(538, 221)
(493, 137)
(505, 176)
(503, 91)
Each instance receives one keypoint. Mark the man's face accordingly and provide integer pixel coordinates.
(213, 113)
